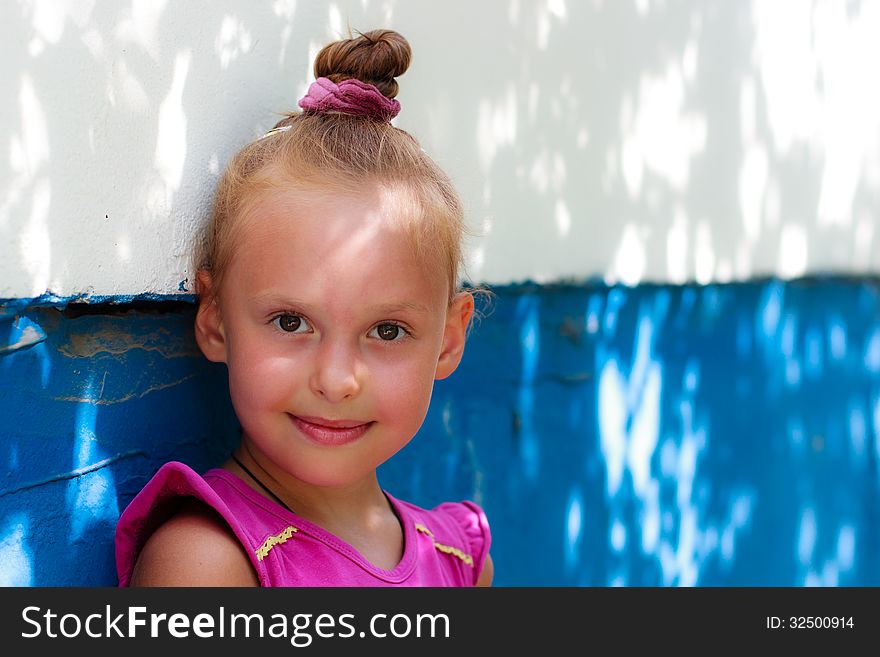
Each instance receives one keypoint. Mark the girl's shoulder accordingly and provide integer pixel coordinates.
(178, 531)
(194, 547)
(457, 528)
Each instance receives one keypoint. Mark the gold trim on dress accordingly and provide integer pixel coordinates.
(272, 541)
(420, 527)
(454, 551)
(446, 549)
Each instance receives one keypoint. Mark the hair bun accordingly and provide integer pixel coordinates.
(375, 57)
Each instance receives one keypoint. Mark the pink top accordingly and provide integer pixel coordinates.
(446, 546)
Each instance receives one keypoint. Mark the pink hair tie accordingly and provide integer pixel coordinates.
(349, 97)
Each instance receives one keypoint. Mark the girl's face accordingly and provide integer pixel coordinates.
(333, 333)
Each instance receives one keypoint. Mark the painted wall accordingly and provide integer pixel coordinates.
(629, 141)
(693, 423)
(687, 435)
(92, 398)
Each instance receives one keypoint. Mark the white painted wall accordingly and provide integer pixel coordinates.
(627, 140)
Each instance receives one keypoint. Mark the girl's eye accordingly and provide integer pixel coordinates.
(389, 332)
(291, 323)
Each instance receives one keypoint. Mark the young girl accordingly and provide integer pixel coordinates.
(329, 287)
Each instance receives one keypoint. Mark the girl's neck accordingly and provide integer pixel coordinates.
(360, 506)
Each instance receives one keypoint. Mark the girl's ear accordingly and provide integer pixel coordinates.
(458, 318)
(209, 323)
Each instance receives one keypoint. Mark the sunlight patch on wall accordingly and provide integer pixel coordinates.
(49, 17)
(618, 536)
(813, 60)
(574, 528)
(793, 251)
(787, 65)
(847, 50)
(124, 84)
(334, 22)
(704, 254)
(123, 250)
(16, 557)
(677, 248)
(141, 25)
(30, 152)
(754, 170)
(496, 126)
(858, 431)
(91, 497)
(548, 172)
(660, 498)
(837, 337)
(476, 261)
(35, 243)
(233, 40)
(171, 141)
(630, 260)
(29, 155)
(171, 133)
(827, 572)
(612, 417)
(864, 249)
(285, 10)
(552, 11)
(563, 218)
(660, 135)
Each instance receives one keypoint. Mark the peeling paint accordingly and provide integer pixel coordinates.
(23, 333)
(126, 398)
(51, 300)
(116, 341)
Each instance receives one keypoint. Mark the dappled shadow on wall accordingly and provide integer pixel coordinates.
(640, 140)
(670, 141)
(673, 436)
(92, 404)
(658, 435)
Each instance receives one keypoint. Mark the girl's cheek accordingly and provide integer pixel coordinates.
(260, 373)
(404, 383)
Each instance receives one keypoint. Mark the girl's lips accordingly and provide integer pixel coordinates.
(330, 432)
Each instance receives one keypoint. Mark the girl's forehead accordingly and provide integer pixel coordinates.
(322, 237)
(368, 207)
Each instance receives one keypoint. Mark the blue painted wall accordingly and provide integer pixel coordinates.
(659, 435)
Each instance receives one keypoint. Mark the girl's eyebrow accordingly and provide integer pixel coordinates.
(400, 305)
(385, 308)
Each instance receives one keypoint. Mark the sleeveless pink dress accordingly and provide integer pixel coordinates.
(444, 546)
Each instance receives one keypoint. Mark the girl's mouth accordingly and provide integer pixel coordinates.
(330, 432)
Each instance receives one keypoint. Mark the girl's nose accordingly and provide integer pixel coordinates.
(336, 377)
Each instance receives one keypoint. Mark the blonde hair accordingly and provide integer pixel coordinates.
(337, 151)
